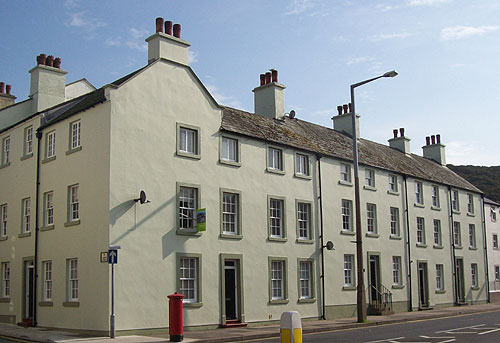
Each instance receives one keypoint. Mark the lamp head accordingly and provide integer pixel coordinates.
(391, 73)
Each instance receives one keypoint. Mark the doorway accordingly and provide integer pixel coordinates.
(232, 300)
(459, 280)
(231, 289)
(423, 285)
(374, 279)
(28, 277)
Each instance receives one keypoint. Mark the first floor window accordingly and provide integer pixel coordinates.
(371, 215)
(473, 270)
(51, 144)
(72, 271)
(345, 172)
(47, 281)
(6, 150)
(394, 221)
(303, 220)
(302, 164)
(457, 236)
(396, 270)
(497, 273)
(6, 279)
(75, 134)
(3, 220)
(28, 140)
(472, 235)
(276, 207)
(435, 196)
(188, 200)
(370, 178)
(419, 197)
(277, 280)
(437, 232)
(188, 275)
(439, 277)
(470, 203)
(49, 208)
(495, 241)
(74, 203)
(493, 214)
(348, 270)
(229, 149)
(188, 141)
(346, 215)
(305, 279)
(275, 159)
(454, 201)
(230, 213)
(420, 230)
(393, 183)
(26, 222)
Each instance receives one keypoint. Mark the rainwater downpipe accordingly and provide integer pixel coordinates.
(408, 247)
(452, 231)
(322, 241)
(37, 225)
(485, 245)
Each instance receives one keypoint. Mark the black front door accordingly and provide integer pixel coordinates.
(422, 284)
(29, 275)
(374, 282)
(460, 286)
(230, 286)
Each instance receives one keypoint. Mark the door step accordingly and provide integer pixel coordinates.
(426, 308)
(462, 303)
(27, 322)
(234, 323)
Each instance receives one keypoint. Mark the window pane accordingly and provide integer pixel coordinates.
(187, 207)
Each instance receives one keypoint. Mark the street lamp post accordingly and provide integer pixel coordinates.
(361, 298)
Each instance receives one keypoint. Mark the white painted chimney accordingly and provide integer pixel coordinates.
(401, 143)
(434, 150)
(343, 121)
(48, 82)
(167, 43)
(269, 97)
(6, 99)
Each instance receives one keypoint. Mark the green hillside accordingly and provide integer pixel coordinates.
(486, 179)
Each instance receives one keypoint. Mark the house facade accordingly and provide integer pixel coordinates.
(275, 189)
(491, 216)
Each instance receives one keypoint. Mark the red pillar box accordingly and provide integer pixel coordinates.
(175, 328)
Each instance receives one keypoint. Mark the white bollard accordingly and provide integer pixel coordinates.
(290, 327)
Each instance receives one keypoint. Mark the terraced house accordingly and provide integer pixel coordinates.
(275, 188)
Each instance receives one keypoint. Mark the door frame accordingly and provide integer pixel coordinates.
(425, 281)
(238, 259)
(25, 296)
(459, 279)
(377, 258)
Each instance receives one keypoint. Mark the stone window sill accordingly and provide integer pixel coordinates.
(349, 288)
(188, 232)
(49, 159)
(48, 227)
(419, 205)
(305, 241)
(392, 192)
(434, 208)
(370, 188)
(71, 151)
(435, 246)
(72, 223)
(4, 165)
(345, 183)
(348, 233)
(302, 176)
(192, 305)
(4, 238)
(398, 286)
(230, 163)
(71, 304)
(396, 237)
(277, 239)
(188, 155)
(472, 248)
(470, 214)
(440, 291)
(24, 234)
(5, 300)
(306, 300)
(421, 245)
(46, 303)
(278, 302)
(372, 235)
(25, 157)
(230, 236)
(275, 171)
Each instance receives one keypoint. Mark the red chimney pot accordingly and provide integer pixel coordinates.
(433, 139)
(2, 87)
(402, 131)
(339, 109)
(345, 106)
(8, 88)
(438, 138)
(50, 61)
(274, 75)
(395, 133)
(268, 77)
(350, 108)
(159, 24)
(262, 79)
(427, 140)
(43, 59)
(57, 62)
(177, 30)
(168, 27)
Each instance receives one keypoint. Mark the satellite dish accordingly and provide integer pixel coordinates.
(292, 114)
(329, 245)
(142, 198)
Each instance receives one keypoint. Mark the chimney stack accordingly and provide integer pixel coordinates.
(48, 82)
(6, 99)
(343, 121)
(168, 45)
(269, 97)
(434, 150)
(400, 143)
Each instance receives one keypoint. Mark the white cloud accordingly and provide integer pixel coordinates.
(70, 4)
(382, 37)
(427, 2)
(461, 32)
(299, 6)
(470, 152)
(357, 60)
(113, 42)
(89, 24)
(193, 56)
(221, 98)
(136, 37)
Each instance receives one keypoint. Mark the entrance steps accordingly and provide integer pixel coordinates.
(234, 323)
(26, 323)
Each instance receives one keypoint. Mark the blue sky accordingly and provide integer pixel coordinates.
(446, 52)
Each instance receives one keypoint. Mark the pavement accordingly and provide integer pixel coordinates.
(240, 334)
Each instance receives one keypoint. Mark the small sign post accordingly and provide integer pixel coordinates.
(112, 259)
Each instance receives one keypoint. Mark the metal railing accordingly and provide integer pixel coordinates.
(383, 299)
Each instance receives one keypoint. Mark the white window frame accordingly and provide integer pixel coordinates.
(394, 221)
(393, 183)
(455, 204)
(474, 276)
(277, 277)
(349, 278)
(230, 213)
(188, 141)
(370, 178)
(420, 230)
(470, 203)
(72, 279)
(457, 234)
(493, 214)
(304, 220)
(75, 137)
(472, 236)
(397, 279)
(47, 280)
(305, 279)
(439, 277)
(438, 239)
(497, 272)
(6, 151)
(302, 164)
(229, 149)
(275, 159)
(435, 196)
(347, 215)
(73, 203)
(26, 213)
(276, 217)
(188, 278)
(5, 279)
(48, 208)
(345, 173)
(28, 140)
(187, 204)
(419, 193)
(51, 145)
(3, 220)
(371, 218)
(495, 241)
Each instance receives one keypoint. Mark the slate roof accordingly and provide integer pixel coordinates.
(315, 138)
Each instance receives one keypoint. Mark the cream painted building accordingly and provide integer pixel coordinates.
(275, 189)
(492, 219)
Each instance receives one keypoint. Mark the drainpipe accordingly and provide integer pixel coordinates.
(485, 245)
(322, 241)
(408, 247)
(453, 248)
(37, 225)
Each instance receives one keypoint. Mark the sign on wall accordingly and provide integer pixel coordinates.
(201, 219)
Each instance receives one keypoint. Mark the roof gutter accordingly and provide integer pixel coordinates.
(323, 300)
(37, 225)
(408, 245)
(485, 246)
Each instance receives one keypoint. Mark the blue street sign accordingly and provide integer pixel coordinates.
(112, 256)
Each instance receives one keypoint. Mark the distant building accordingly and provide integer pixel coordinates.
(275, 189)
(492, 219)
